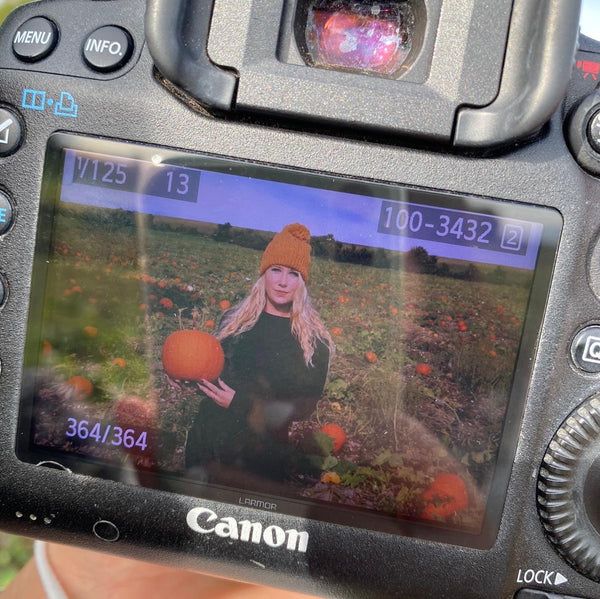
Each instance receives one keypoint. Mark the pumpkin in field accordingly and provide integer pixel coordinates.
(371, 357)
(446, 496)
(166, 303)
(82, 387)
(336, 433)
(192, 355)
(423, 369)
(331, 477)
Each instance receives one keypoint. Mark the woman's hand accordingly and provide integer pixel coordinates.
(221, 394)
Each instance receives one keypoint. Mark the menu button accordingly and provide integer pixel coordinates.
(35, 39)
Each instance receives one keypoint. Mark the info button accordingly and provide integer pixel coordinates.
(107, 48)
(585, 349)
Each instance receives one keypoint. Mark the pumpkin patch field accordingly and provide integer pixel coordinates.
(412, 411)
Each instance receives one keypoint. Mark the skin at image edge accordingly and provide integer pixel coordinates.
(85, 574)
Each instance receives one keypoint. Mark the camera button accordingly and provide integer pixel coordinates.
(106, 531)
(585, 349)
(2, 291)
(11, 132)
(6, 214)
(107, 48)
(593, 131)
(35, 39)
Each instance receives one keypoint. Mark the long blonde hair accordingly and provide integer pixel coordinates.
(307, 326)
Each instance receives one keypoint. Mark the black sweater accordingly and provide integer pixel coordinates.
(273, 387)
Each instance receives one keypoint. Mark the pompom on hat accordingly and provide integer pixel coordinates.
(291, 248)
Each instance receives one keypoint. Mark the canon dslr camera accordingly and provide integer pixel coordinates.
(305, 292)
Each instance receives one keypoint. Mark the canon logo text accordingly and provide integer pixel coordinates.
(205, 521)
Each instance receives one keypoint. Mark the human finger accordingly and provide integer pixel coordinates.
(224, 385)
(209, 392)
(221, 397)
(210, 386)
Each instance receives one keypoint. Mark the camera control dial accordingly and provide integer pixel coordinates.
(569, 487)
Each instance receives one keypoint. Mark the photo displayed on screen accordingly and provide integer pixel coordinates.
(286, 340)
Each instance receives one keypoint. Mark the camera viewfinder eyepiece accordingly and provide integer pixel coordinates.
(365, 37)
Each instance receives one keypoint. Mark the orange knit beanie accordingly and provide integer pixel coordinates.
(291, 248)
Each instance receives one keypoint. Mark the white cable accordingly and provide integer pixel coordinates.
(49, 581)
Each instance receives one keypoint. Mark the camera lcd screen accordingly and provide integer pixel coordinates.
(349, 351)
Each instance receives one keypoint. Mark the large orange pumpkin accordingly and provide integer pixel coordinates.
(336, 433)
(446, 496)
(82, 387)
(192, 356)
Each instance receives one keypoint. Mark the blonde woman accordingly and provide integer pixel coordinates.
(277, 354)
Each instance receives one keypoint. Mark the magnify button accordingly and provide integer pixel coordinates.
(585, 349)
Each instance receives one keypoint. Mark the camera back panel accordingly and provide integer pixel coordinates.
(64, 100)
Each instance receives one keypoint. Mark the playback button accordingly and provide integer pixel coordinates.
(585, 349)
(11, 133)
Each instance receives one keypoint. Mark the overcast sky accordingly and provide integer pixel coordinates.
(590, 18)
